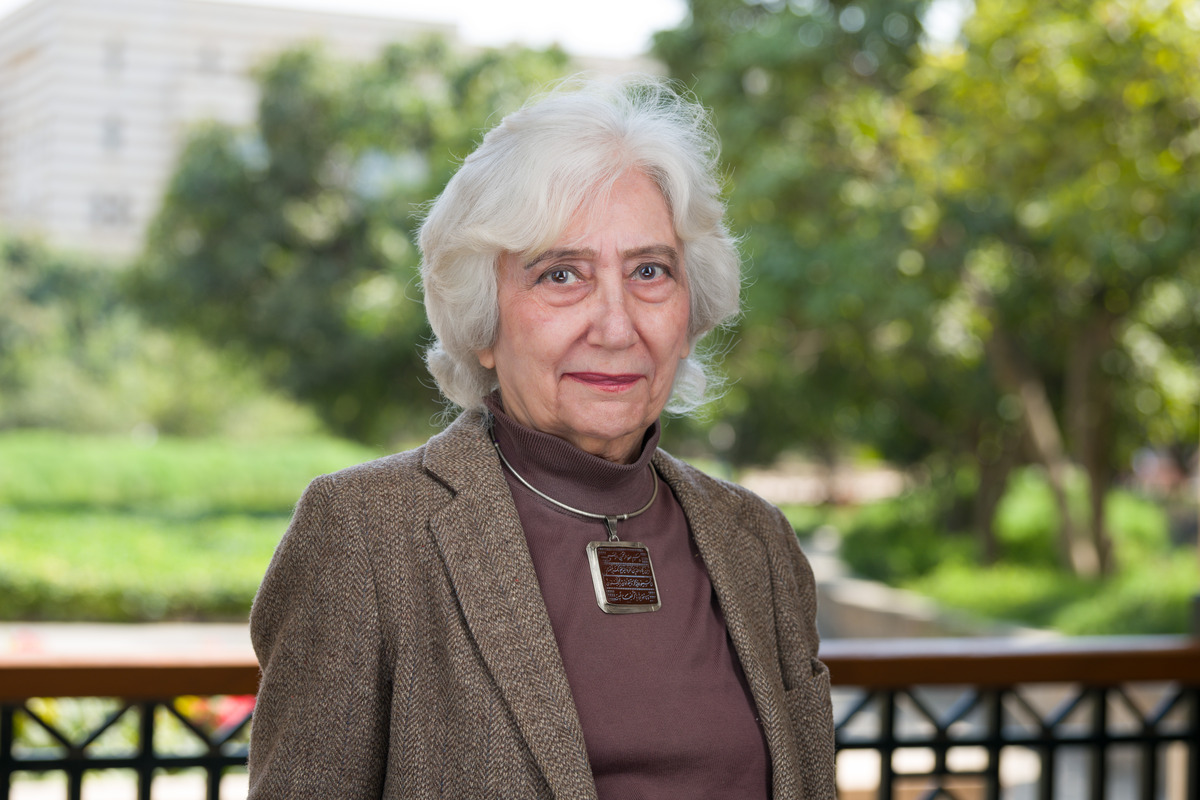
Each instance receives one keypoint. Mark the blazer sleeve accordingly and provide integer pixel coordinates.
(805, 677)
(320, 725)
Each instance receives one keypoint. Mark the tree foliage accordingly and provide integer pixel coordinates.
(981, 253)
(49, 309)
(1061, 140)
(799, 92)
(75, 356)
(293, 241)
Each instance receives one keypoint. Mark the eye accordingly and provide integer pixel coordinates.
(559, 276)
(648, 272)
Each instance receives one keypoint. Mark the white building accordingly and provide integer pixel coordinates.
(95, 97)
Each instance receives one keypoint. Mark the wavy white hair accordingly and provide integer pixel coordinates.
(518, 191)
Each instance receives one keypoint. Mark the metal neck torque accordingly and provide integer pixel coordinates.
(610, 520)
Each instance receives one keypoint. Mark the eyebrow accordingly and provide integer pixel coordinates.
(663, 251)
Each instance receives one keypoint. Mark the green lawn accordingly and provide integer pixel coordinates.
(110, 528)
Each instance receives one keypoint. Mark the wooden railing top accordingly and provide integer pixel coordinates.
(1095, 661)
(867, 663)
(136, 676)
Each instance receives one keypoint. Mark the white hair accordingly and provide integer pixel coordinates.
(518, 191)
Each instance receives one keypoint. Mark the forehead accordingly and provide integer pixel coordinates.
(631, 206)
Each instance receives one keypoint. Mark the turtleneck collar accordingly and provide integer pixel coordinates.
(570, 475)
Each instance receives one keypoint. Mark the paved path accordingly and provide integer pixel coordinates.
(121, 785)
(79, 638)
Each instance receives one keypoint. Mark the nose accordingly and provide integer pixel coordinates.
(612, 317)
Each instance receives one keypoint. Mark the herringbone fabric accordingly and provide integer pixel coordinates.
(407, 653)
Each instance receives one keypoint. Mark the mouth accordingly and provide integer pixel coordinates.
(604, 381)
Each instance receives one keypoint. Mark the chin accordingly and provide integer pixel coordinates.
(611, 429)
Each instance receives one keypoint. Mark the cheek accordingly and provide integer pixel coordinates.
(526, 339)
(675, 336)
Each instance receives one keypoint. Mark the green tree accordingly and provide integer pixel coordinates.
(293, 241)
(982, 254)
(807, 99)
(1057, 164)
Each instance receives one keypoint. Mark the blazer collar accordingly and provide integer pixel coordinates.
(732, 551)
(483, 547)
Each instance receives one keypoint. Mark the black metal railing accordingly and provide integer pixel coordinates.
(1115, 718)
(174, 713)
(987, 724)
(72, 753)
(918, 718)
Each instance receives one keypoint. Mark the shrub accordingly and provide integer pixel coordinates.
(74, 355)
(1011, 592)
(1154, 596)
(1026, 523)
(901, 539)
(901, 542)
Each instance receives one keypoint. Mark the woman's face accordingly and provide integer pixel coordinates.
(592, 331)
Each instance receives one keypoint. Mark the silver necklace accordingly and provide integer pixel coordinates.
(610, 520)
(622, 574)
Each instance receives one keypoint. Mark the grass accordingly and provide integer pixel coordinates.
(51, 470)
(120, 529)
(116, 529)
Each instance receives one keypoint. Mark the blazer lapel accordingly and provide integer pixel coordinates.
(731, 553)
(483, 547)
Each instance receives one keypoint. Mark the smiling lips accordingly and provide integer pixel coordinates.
(605, 382)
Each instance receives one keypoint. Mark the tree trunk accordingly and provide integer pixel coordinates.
(993, 481)
(1089, 416)
(1046, 439)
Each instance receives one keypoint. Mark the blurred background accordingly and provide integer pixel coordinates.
(967, 366)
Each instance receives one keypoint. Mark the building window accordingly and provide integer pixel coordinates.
(208, 59)
(112, 133)
(111, 210)
(114, 56)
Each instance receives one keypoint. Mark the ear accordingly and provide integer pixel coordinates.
(487, 358)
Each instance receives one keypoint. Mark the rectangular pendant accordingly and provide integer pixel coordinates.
(623, 577)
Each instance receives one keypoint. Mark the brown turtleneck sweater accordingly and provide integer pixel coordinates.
(664, 706)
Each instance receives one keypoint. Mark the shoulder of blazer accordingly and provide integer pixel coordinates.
(708, 497)
(452, 459)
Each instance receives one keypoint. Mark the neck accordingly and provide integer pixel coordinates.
(570, 475)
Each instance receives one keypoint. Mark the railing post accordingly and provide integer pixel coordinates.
(75, 781)
(1100, 746)
(1149, 782)
(214, 782)
(1049, 751)
(145, 768)
(1193, 745)
(7, 732)
(887, 746)
(76, 766)
(995, 731)
(1149, 778)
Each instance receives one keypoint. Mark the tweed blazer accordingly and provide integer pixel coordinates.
(406, 651)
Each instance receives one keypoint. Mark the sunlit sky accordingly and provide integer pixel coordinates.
(613, 28)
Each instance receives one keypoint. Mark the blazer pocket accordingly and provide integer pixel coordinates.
(811, 708)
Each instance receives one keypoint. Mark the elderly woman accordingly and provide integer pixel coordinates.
(539, 602)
